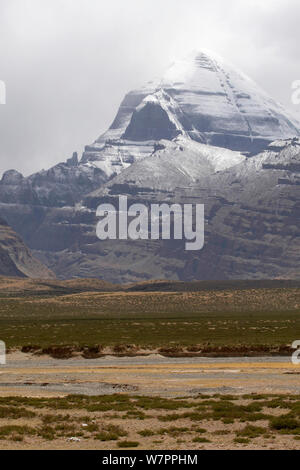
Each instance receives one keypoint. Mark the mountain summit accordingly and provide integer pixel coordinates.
(201, 97)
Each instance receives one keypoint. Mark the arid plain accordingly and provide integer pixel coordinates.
(153, 365)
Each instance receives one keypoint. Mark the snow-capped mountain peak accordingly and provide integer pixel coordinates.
(201, 97)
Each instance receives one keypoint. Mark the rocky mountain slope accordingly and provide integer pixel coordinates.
(252, 215)
(62, 185)
(252, 212)
(179, 162)
(16, 259)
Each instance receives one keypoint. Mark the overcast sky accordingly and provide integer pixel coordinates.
(68, 63)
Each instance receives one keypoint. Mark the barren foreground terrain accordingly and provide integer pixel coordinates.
(149, 403)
